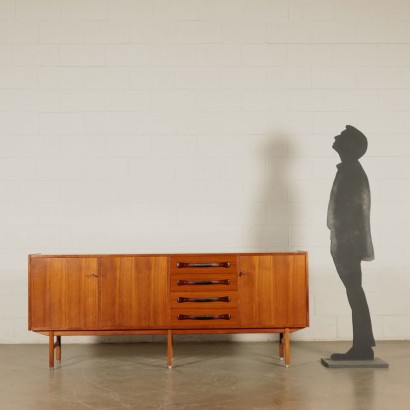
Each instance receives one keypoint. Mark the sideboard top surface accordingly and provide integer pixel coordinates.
(96, 255)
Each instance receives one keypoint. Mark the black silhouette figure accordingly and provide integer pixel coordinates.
(348, 219)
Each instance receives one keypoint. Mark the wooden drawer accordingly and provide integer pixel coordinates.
(204, 300)
(209, 263)
(203, 282)
(211, 318)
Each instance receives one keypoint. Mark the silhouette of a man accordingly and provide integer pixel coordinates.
(348, 219)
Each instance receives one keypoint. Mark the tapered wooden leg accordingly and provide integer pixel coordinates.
(58, 349)
(51, 350)
(281, 342)
(287, 347)
(170, 349)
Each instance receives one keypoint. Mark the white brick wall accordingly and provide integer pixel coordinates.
(202, 125)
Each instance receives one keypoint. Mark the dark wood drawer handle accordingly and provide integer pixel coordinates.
(203, 265)
(206, 317)
(203, 282)
(200, 300)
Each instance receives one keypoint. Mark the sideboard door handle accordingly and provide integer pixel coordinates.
(203, 282)
(204, 317)
(203, 265)
(201, 300)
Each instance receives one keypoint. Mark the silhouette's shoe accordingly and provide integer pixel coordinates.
(354, 354)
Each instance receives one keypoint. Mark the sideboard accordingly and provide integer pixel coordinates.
(168, 294)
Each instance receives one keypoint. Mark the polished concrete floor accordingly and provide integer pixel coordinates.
(205, 376)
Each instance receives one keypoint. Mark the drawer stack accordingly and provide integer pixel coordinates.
(204, 291)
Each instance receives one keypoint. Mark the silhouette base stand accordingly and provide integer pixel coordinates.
(352, 364)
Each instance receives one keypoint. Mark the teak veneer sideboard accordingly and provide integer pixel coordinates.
(168, 294)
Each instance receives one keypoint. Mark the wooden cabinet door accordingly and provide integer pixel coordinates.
(63, 293)
(134, 292)
(273, 291)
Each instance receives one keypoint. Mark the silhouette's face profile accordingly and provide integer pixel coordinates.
(341, 142)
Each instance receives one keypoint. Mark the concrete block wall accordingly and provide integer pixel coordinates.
(149, 126)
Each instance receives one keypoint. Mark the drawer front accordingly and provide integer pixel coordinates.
(211, 318)
(204, 300)
(210, 263)
(203, 282)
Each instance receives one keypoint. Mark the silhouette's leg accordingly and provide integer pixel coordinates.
(351, 275)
